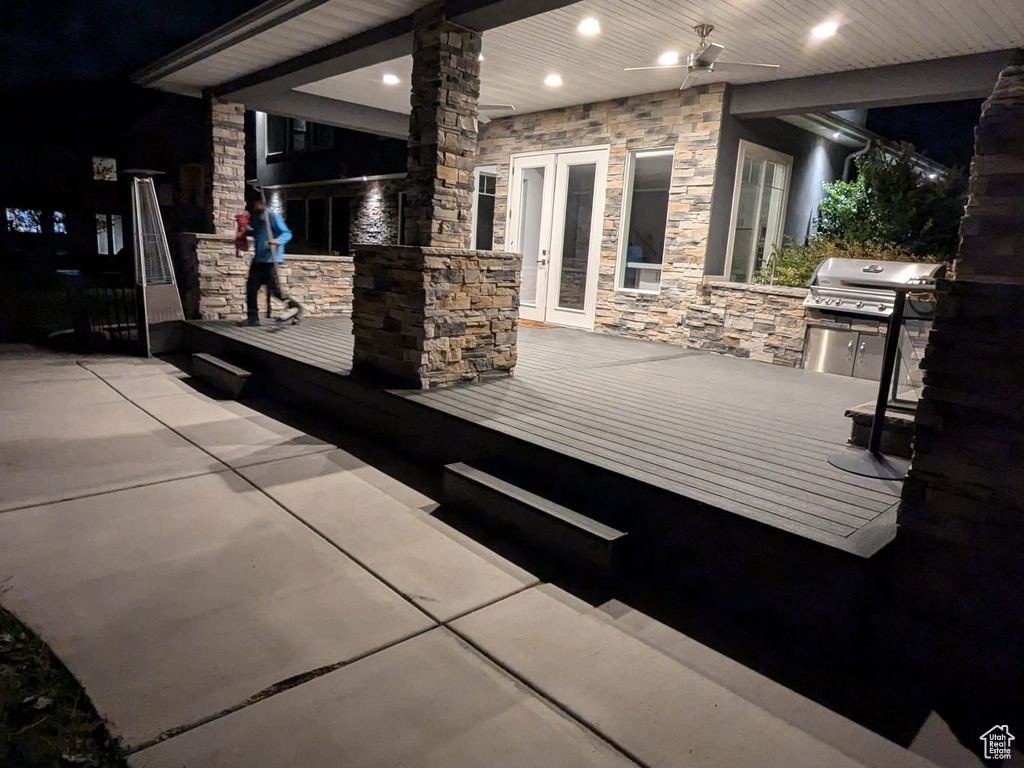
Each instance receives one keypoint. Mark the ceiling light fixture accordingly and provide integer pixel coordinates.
(836, 135)
(589, 26)
(933, 176)
(668, 59)
(480, 57)
(825, 30)
(553, 80)
(390, 79)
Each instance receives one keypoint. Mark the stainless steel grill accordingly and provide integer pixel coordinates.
(862, 287)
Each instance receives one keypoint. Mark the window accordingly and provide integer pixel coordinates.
(758, 210)
(300, 138)
(104, 169)
(485, 183)
(60, 226)
(316, 216)
(644, 219)
(109, 234)
(323, 136)
(277, 134)
(402, 202)
(295, 216)
(24, 220)
(340, 225)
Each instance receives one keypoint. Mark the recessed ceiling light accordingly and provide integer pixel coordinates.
(825, 30)
(553, 80)
(589, 26)
(668, 58)
(836, 135)
(933, 176)
(480, 57)
(390, 79)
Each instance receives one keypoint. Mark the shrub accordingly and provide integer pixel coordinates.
(794, 264)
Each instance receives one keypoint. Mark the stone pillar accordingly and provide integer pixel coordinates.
(430, 317)
(225, 174)
(961, 538)
(442, 131)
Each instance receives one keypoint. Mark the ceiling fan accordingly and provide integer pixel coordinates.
(704, 60)
(483, 109)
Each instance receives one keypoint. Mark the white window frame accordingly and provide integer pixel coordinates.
(481, 170)
(762, 153)
(624, 214)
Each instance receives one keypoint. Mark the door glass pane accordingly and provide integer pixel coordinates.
(531, 202)
(339, 225)
(485, 212)
(579, 209)
(746, 219)
(770, 226)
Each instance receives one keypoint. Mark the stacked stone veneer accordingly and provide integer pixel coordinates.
(214, 274)
(442, 130)
(765, 323)
(962, 516)
(225, 170)
(688, 121)
(430, 317)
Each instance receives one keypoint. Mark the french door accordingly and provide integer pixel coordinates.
(555, 218)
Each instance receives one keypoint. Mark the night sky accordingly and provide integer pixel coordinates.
(99, 39)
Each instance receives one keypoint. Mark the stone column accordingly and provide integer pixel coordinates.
(961, 538)
(432, 313)
(225, 158)
(442, 131)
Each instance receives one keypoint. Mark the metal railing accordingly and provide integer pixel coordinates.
(103, 311)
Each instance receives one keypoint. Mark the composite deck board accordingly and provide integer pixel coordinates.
(737, 435)
(677, 437)
(592, 440)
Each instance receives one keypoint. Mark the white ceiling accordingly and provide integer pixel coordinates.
(324, 24)
(872, 33)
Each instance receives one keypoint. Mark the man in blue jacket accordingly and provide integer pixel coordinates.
(268, 251)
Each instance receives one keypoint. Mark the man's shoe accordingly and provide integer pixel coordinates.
(251, 322)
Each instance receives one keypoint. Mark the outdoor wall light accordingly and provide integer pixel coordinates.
(668, 59)
(390, 79)
(553, 80)
(825, 30)
(589, 27)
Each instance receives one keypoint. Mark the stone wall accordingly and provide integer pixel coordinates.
(690, 121)
(962, 516)
(225, 169)
(373, 206)
(442, 130)
(213, 275)
(430, 317)
(765, 323)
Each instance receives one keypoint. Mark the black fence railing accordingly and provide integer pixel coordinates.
(104, 311)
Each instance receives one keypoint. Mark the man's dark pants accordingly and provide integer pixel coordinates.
(261, 273)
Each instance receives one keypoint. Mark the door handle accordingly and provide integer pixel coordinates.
(849, 351)
(541, 262)
(861, 350)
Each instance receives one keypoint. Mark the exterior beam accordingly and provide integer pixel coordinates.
(951, 79)
(342, 114)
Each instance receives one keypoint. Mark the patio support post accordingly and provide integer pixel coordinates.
(442, 130)
(430, 312)
(225, 169)
(957, 563)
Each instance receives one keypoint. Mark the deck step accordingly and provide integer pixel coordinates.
(221, 375)
(577, 541)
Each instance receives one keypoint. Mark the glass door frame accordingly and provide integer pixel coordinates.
(556, 165)
(763, 154)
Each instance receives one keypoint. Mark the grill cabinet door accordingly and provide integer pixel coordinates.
(830, 351)
(868, 361)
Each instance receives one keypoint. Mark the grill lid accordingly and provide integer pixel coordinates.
(881, 275)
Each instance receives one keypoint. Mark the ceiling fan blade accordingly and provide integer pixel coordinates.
(482, 118)
(688, 76)
(660, 66)
(710, 54)
(737, 66)
(498, 107)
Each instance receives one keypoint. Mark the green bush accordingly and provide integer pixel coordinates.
(889, 213)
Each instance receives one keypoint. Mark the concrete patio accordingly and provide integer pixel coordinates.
(234, 592)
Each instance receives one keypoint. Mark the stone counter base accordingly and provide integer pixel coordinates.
(430, 317)
(214, 274)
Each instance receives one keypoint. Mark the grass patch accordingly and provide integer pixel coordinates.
(45, 717)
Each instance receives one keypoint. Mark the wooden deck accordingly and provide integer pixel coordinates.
(743, 437)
